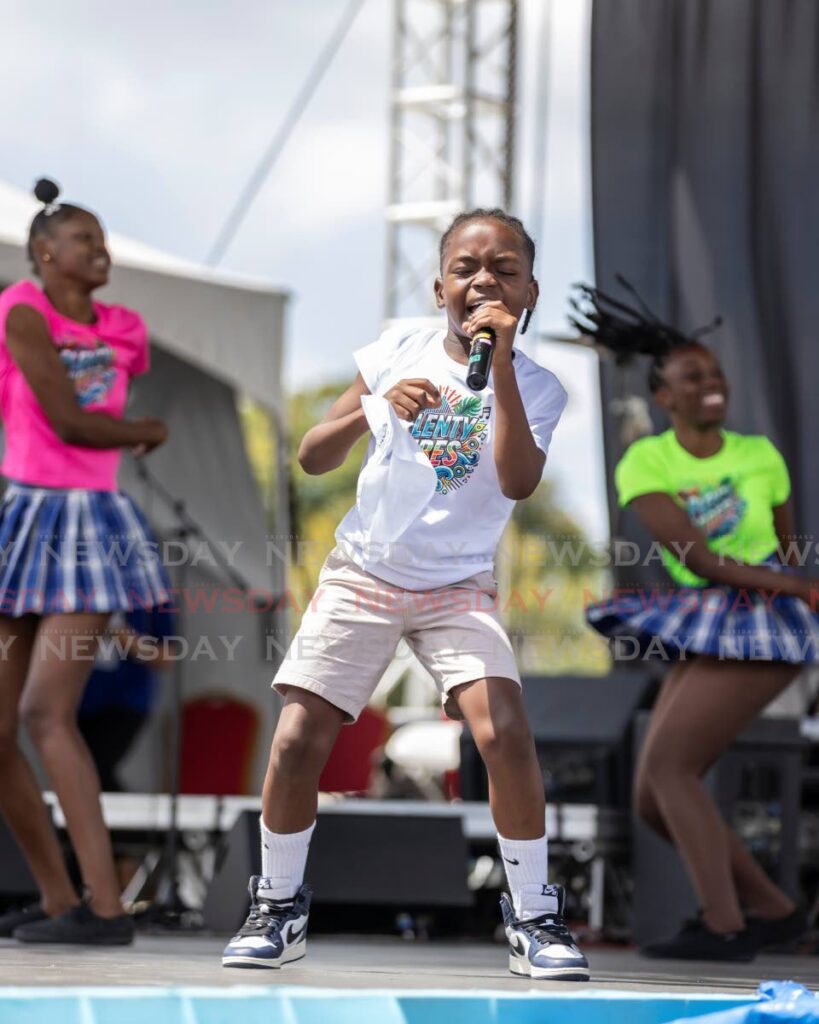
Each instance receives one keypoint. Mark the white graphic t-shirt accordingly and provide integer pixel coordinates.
(456, 531)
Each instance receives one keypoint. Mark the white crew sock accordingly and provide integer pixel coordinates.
(527, 870)
(284, 856)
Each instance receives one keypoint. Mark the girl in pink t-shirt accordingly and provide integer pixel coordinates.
(74, 550)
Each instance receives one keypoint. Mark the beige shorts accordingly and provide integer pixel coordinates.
(351, 629)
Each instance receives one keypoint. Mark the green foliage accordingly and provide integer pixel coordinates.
(316, 495)
(546, 580)
(260, 444)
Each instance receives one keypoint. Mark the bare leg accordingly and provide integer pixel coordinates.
(493, 709)
(698, 722)
(755, 889)
(21, 801)
(61, 661)
(304, 737)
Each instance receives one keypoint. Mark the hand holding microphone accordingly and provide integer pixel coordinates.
(492, 329)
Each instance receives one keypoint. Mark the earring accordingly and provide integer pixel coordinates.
(527, 316)
(46, 257)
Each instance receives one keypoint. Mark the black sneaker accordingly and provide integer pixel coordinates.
(275, 931)
(79, 926)
(23, 915)
(543, 947)
(696, 941)
(769, 933)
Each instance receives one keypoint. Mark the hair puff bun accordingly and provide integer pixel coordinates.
(46, 191)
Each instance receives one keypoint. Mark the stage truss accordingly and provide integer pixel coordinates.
(452, 140)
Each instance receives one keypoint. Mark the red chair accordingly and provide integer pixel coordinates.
(350, 766)
(219, 736)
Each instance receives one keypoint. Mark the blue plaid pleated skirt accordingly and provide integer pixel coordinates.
(76, 551)
(726, 623)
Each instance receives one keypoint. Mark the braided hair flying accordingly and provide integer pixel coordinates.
(627, 330)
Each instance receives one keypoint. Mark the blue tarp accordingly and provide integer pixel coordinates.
(778, 1001)
(294, 1005)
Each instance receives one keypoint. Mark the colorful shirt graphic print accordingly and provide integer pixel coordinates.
(452, 436)
(91, 371)
(716, 510)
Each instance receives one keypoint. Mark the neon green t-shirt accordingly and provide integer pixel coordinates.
(730, 496)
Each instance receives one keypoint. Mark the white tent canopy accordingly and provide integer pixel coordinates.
(228, 326)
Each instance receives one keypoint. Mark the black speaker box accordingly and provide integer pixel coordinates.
(582, 731)
(368, 859)
(15, 877)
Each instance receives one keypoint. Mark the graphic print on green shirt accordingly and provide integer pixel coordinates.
(716, 510)
(730, 496)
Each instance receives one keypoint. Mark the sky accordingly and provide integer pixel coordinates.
(156, 122)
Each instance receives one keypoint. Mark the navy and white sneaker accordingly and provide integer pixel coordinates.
(543, 946)
(275, 931)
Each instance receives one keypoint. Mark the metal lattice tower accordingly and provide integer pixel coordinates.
(452, 133)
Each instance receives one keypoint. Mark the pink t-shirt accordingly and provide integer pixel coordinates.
(100, 359)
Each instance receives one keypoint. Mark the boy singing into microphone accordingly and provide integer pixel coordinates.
(414, 559)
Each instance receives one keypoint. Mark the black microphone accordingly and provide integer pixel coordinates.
(480, 358)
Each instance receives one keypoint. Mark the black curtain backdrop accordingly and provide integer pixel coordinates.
(705, 177)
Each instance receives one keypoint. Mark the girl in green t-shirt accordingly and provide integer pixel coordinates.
(736, 623)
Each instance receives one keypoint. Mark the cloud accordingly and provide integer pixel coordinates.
(337, 170)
